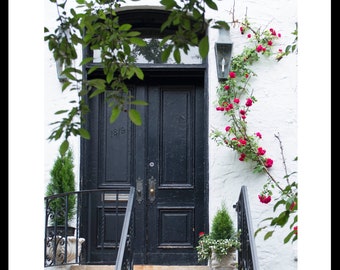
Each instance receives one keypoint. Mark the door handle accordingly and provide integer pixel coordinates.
(139, 190)
(152, 189)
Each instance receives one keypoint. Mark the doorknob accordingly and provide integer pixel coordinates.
(152, 189)
(139, 190)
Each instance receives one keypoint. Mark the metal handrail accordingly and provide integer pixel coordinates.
(125, 238)
(59, 249)
(247, 255)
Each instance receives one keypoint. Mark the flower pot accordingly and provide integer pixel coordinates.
(227, 262)
(58, 247)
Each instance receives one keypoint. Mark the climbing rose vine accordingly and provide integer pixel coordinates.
(235, 101)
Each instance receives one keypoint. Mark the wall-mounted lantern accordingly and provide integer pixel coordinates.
(223, 49)
(60, 68)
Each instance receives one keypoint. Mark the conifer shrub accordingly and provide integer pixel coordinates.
(62, 181)
(222, 226)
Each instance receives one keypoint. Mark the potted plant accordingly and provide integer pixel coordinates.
(220, 245)
(61, 208)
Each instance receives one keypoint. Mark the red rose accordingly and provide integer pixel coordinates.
(242, 157)
(249, 102)
(232, 74)
(295, 229)
(265, 199)
(269, 162)
(291, 208)
(261, 151)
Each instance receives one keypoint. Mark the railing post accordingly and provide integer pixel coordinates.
(247, 255)
(124, 236)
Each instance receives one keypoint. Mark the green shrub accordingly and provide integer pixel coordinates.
(62, 181)
(222, 238)
(222, 225)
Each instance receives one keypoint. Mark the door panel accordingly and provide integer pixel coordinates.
(173, 135)
(114, 149)
(164, 159)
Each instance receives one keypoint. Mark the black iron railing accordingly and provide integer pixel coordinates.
(65, 245)
(125, 252)
(247, 256)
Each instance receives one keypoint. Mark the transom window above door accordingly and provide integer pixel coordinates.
(148, 21)
(151, 54)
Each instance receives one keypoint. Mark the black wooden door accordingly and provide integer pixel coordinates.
(164, 159)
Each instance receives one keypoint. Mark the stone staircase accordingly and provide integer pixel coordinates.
(141, 267)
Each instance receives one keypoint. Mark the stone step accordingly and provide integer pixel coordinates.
(141, 267)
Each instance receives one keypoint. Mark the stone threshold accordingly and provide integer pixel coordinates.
(141, 267)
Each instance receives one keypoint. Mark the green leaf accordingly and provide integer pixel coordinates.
(211, 4)
(138, 41)
(164, 41)
(129, 73)
(93, 68)
(278, 204)
(125, 27)
(268, 234)
(133, 34)
(69, 75)
(265, 219)
(86, 60)
(109, 76)
(166, 54)
(139, 73)
(169, 4)
(97, 92)
(196, 14)
(114, 114)
(288, 49)
(288, 237)
(84, 133)
(221, 24)
(97, 83)
(259, 230)
(65, 85)
(60, 112)
(135, 117)
(282, 219)
(177, 56)
(63, 147)
(139, 102)
(204, 47)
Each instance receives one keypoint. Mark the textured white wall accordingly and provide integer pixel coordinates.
(275, 88)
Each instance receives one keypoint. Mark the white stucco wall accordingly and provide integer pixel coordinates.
(275, 88)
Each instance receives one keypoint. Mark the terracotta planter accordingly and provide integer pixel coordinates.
(227, 262)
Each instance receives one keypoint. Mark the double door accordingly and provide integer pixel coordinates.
(164, 159)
